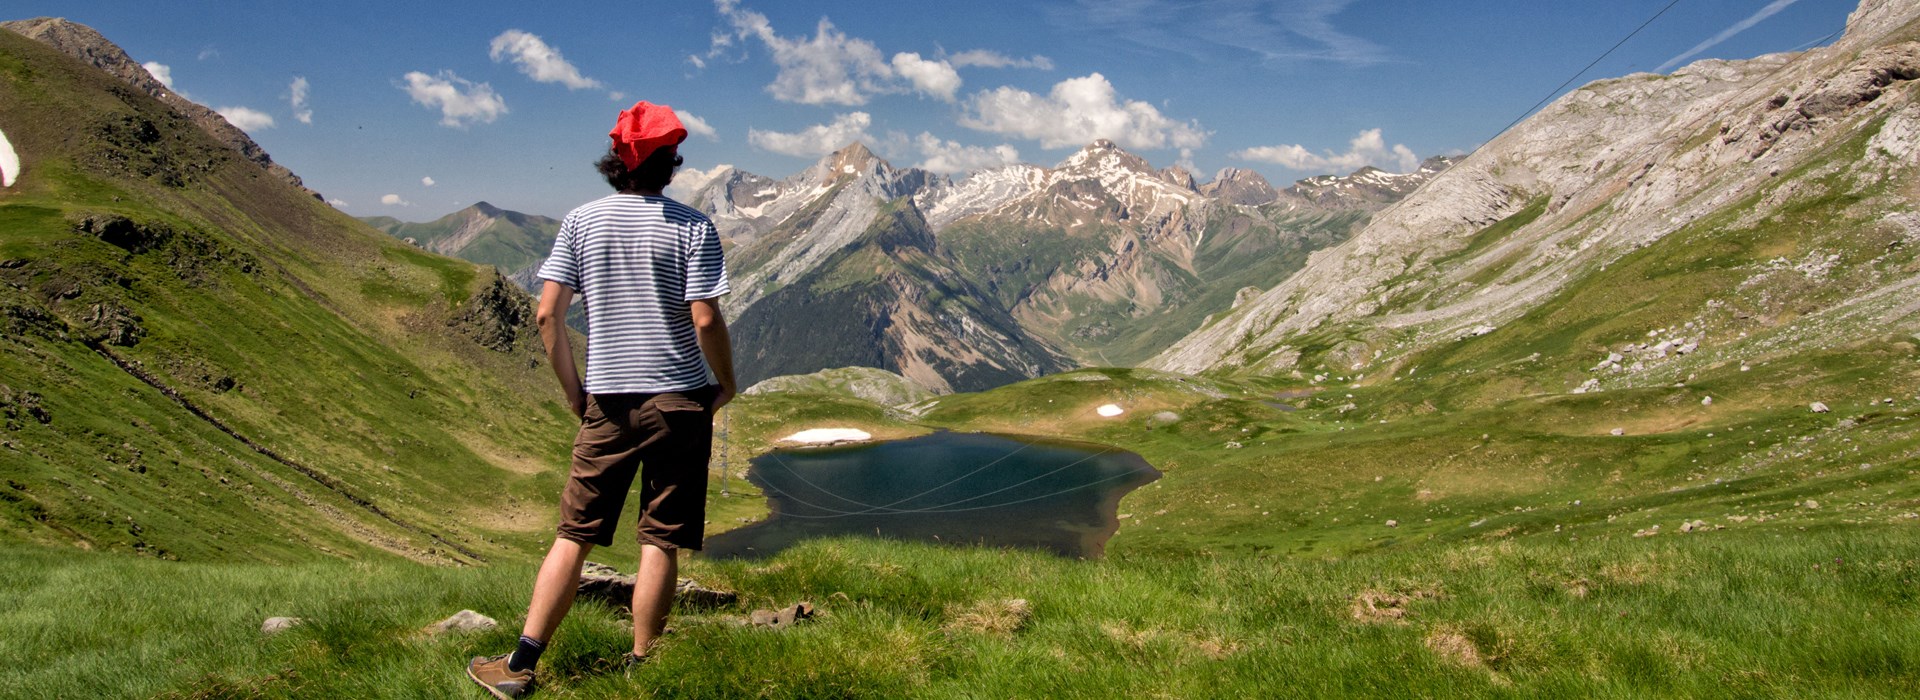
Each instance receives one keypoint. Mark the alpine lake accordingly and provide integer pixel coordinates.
(952, 488)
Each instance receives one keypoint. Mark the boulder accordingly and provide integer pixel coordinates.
(461, 622)
(782, 618)
(276, 625)
(614, 589)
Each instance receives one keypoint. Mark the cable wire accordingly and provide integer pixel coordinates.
(817, 487)
(1583, 71)
(944, 507)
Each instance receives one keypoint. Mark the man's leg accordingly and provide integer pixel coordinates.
(653, 594)
(553, 589)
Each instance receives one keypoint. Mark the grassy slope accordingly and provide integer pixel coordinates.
(1237, 573)
(506, 243)
(334, 347)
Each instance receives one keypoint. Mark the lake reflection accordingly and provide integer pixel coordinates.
(955, 488)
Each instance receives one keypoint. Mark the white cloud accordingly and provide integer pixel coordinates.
(297, 98)
(951, 157)
(697, 126)
(687, 181)
(427, 181)
(461, 102)
(1770, 10)
(1076, 112)
(1228, 32)
(830, 67)
(394, 200)
(1367, 148)
(161, 72)
(816, 140)
(338, 203)
(539, 61)
(933, 77)
(983, 58)
(246, 118)
(697, 61)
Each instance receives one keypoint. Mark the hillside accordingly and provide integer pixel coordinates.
(1638, 232)
(511, 241)
(203, 361)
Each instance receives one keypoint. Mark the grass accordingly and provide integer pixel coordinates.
(1707, 615)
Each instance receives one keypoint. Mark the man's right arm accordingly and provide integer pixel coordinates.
(710, 329)
(552, 318)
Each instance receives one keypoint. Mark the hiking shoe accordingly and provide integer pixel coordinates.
(491, 672)
(631, 665)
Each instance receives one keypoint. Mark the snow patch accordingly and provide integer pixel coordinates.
(1110, 411)
(828, 436)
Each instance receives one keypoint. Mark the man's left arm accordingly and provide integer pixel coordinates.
(552, 318)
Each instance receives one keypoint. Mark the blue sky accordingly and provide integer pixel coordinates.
(416, 109)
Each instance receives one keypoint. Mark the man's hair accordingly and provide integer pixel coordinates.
(653, 174)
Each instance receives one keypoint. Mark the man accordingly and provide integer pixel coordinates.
(650, 272)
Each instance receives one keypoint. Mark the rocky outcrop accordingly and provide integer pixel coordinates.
(82, 42)
(497, 317)
(1861, 83)
(865, 383)
(609, 587)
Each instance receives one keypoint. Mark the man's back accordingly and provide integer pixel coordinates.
(636, 261)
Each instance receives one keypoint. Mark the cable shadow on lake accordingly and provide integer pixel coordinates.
(950, 488)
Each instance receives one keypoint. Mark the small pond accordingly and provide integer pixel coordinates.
(954, 488)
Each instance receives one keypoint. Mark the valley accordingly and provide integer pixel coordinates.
(1621, 404)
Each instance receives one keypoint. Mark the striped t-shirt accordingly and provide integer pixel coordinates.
(636, 261)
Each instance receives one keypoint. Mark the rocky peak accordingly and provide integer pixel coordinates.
(1104, 156)
(855, 158)
(1180, 176)
(1240, 186)
(82, 42)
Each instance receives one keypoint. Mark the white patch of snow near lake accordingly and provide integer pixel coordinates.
(1110, 410)
(828, 436)
(9, 162)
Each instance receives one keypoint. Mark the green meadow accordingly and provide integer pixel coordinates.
(1781, 568)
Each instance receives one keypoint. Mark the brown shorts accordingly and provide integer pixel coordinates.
(672, 433)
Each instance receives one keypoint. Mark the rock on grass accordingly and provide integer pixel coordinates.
(461, 622)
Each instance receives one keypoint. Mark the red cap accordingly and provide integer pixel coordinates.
(644, 129)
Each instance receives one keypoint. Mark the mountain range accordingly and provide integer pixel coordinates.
(510, 241)
(1006, 274)
(1010, 272)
